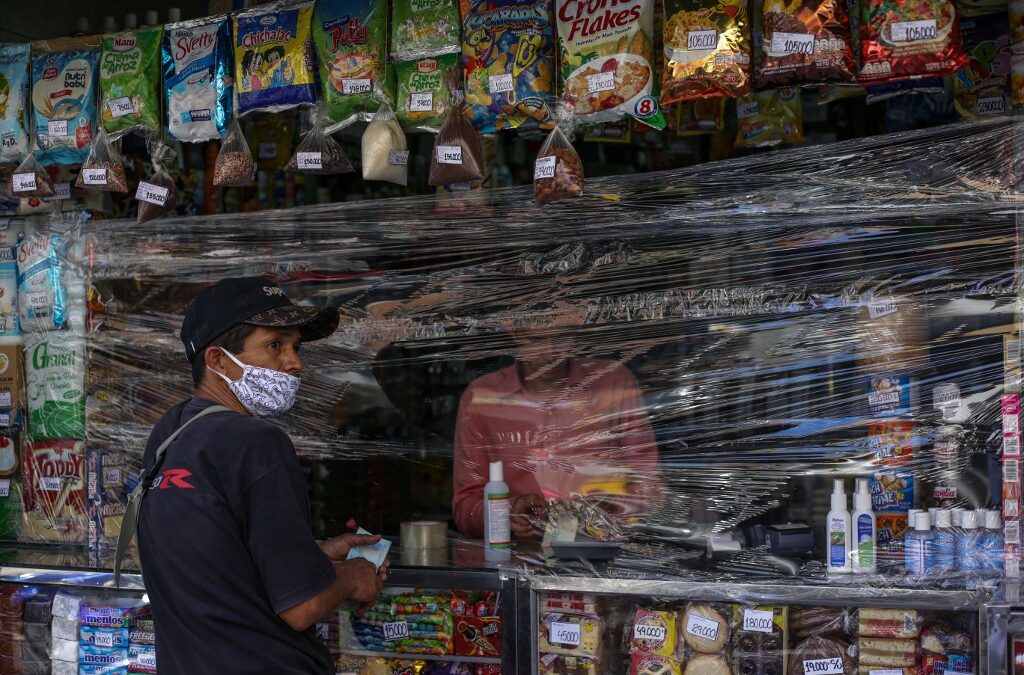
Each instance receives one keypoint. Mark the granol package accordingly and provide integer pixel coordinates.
(422, 28)
(606, 55)
(423, 96)
(805, 41)
(274, 59)
(54, 492)
(982, 87)
(351, 48)
(55, 385)
(707, 50)
(14, 61)
(903, 39)
(197, 78)
(130, 81)
(508, 55)
(64, 98)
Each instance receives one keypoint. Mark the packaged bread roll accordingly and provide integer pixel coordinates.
(705, 629)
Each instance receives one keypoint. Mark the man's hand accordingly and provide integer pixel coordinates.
(338, 547)
(526, 510)
(364, 582)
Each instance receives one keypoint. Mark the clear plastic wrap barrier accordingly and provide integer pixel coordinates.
(801, 364)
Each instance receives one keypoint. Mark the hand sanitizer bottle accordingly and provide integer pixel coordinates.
(497, 511)
(943, 558)
(918, 548)
(838, 531)
(991, 544)
(864, 530)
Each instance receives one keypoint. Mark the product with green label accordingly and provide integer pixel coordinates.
(422, 28)
(55, 382)
(423, 94)
(130, 81)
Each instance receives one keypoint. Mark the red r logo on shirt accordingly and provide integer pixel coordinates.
(176, 478)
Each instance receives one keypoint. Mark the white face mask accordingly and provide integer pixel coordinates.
(262, 391)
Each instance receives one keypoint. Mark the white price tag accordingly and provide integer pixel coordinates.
(701, 40)
(5, 487)
(792, 43)
(702, 627)
(1010, 424)
(49, 483)
(747, 109)
(758, 620)
(877, 310)
(646, 632)
(267, 150)
(24, 182)
(103, 639)
(119, 107)
(544, 167)
(886, 671)
(600, 82)
(153, 194)
(1011, 446)
(94, 176)
(990, 105)
(60, 191)
(449, 154)
(396, 630)
(914, 31)
(355, 86)
(5, 419)
(823, 667)
(309, 160)
(564, 634)
(112, 476)
(398, 157)
(34, 301)
(57, 128)
(421, 101)
(498, 84)
(5, 399)
(147, 659)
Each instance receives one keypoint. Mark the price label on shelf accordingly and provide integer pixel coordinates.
(398, 157)
(267, 150)
(702, 627)
(914, 31)
(5, 487)
(5, 419)
(421, 101)
(57, 128)
(153, 194)
(94, 176)
(876, 310)
(758, 620)
(34, 301)
(600, 82)
(49, 483)
(24, 182)
(564, 634)
(119, 107)
(5, 399)
(396, 630)
(823, 667)
(309, 160)
(990, 105)
(499, 84)
(544, 167)
(642, 631)
(886, 671)
(701, 40)
(111, 476)
(349, 87)
(747, 109)
(792, 43)
(449, 154)
(60, 191)
(103, 639)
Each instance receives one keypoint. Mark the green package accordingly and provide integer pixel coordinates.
(55, 383)
(424, 28)
(351, 47)
(423, 95)
(130, 81)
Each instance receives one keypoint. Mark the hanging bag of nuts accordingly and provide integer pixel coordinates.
(318, 153)
(558, 171)
(457, 156)
(235, 165)
(103, 169)
(158, 195)
(30, 179)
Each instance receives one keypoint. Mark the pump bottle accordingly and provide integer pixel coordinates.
(497, 511)
(838, 531)
(865, 533)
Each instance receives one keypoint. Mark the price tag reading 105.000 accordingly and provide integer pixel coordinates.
(564, 634)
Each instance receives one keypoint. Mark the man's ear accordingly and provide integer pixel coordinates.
(215, 360)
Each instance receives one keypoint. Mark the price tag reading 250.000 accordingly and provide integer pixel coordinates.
(564, 634)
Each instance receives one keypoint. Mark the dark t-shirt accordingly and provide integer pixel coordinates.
(226, 545)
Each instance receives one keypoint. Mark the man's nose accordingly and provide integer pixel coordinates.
(292, 364)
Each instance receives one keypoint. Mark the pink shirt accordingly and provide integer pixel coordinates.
(596, 430)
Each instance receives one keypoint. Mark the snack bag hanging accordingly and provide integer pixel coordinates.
(318, 153)
(508, 52)
(770, 118)
(385, 150)
(805, 41)
(30, 179)
(64, 98)
(423, 95)
(606, 55)
(457, 155)
(422, 28)
(14, 79)
(197, 78)
(158, 195)
(351, 48)
(558, 171)
(982, 87)
(42, 296)
(901, 39)
(130, 81)
(701, 116)
(103, 168)
(274, 59)
(234, 165)
(707, 50)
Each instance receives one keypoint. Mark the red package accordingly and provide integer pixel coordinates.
(933, 664)
(902, 39)
(478, 636)
(54, 492)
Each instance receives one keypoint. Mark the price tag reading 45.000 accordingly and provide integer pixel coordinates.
(396, 630)
(702, 627)
(564, 634)
(823, 667)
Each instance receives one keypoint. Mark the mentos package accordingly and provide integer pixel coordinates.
(109, 638)
(14, 61)
(274, 59)
(93, 669)
(104, 617)
(89, 655)
(198, 78)
(64, 100)
(41, 299)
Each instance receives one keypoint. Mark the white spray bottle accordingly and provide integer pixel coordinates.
(838, 531)
(865, 532)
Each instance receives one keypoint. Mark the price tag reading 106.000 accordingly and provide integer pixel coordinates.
(564, 634)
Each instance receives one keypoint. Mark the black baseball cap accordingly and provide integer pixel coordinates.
(256, 301)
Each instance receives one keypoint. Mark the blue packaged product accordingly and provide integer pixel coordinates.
(943, 558)
(968, 553)
(104, 617)
(142, 658)
(101, 670)
(14, 60)
(42, 305)
(959, 663)
(196, 58)
(64, 102)
(9, 324)
(109, 638)
(90, 655)
(273, 60)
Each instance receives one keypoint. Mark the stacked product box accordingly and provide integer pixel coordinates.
(110, 478)
(24, 631)
(1011, 455)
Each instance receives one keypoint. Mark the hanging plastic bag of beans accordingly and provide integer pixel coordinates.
(558, 171)
(158, 195)
(318, 153)
(235, 165)
(457, 156)
(30, 179)
(103, 168)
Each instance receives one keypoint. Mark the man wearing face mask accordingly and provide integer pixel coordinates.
(234, 575)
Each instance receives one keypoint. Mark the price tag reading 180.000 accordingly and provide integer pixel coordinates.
(823, 667)
(396, 630)
(600, 82)
(702, 627)
(564, 634)
(914, 31)
(758, 620)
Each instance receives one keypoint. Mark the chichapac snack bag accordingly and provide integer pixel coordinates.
(130, 81)
(274, 59)
(606, 52)
(64, 98)
(14, 78)
(198, 78)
